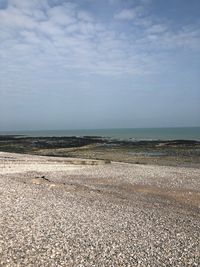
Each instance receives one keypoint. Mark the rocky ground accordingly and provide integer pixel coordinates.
(184, 153)
(73, 212)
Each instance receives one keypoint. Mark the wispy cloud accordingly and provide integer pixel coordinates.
(65, 32)
(129, 14)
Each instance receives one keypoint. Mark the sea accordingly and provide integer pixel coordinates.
(135, 134)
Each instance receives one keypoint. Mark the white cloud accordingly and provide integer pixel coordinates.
(21, 4)
(126, 14)
(14, 18)
(157, 28)
(30, 37)
(49, 28)
(85, 16)
(62, 15)
(129, 14)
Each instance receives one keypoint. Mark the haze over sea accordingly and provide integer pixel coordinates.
(172, 133)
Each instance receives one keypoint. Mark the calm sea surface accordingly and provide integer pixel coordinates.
(186, 133)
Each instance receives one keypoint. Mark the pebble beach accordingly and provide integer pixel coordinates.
(69, 212)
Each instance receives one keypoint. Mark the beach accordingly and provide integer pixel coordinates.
(58, 211)
(99, 133)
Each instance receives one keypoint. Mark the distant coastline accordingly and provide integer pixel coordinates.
(170, 133)
(184, 153)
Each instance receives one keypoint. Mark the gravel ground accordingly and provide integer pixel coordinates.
(59, 212)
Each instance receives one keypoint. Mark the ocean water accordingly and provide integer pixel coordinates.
(181, 133)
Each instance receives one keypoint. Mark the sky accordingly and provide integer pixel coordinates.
(99, 64)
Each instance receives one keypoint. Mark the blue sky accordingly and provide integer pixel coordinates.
(99, 64)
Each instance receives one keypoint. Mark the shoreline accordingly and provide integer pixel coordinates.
(119, 139)
(159, 152)
(159, 133)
